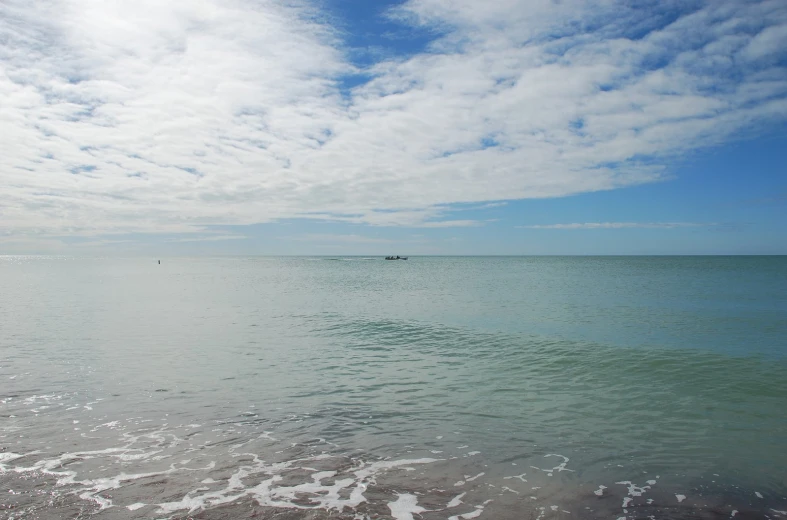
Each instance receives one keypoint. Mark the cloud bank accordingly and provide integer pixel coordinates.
(620, 225)
(150, 116)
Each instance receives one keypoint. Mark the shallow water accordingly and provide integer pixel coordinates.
(533, 387)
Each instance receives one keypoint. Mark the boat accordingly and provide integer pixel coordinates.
(396, 258)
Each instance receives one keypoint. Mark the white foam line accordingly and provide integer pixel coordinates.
(560, 467)
(383, 465)
(457, 500)
(8, 457)
(470, 479)
(91, 488)
(404, 507)
(266, 493)
(520, 477)
(468, 516)
(103, 503)
(633, 489)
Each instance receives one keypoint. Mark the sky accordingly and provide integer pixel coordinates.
(331, 127)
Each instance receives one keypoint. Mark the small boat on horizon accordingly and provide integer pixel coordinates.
(396, 258)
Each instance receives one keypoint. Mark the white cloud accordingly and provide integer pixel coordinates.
(167, 117)
(210, 238)
(338, 238)
(450, 223)
(770, 44)
(619, 225)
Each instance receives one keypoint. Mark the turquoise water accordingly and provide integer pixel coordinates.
(527, 387)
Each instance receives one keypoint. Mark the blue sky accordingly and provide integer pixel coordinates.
(417, 127)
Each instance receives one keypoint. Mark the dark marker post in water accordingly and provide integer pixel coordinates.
(159, 262)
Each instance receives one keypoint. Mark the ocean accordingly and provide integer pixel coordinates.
(433, 388)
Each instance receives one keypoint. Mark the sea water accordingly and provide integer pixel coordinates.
(434, 388)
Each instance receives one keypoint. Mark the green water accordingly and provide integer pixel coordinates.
(627, 367)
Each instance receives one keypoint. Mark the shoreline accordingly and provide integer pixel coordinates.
(317, 486)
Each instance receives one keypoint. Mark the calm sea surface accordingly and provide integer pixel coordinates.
(436, 388)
